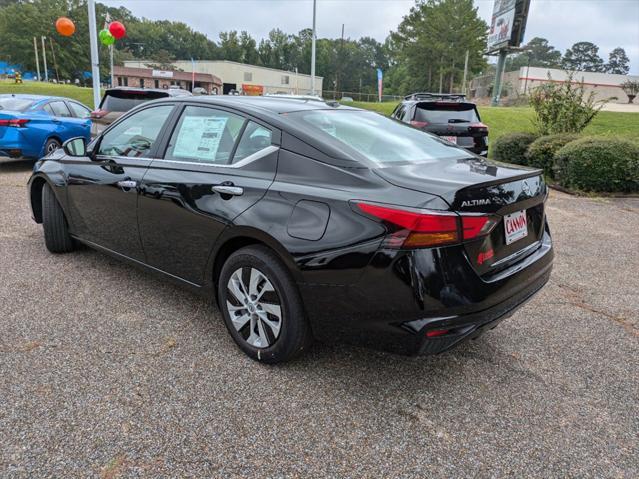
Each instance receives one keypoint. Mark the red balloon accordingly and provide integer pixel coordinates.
(117, 30)
(64, 26)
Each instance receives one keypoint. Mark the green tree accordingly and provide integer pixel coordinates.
(583, 56)
(539, 52)
(618, 62)
(432, 40)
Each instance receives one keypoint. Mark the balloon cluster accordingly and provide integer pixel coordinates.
(113, 32)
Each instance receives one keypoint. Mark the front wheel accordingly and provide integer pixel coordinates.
(56, 230)
(261, 306)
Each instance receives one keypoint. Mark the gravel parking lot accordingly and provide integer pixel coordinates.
(108, 371)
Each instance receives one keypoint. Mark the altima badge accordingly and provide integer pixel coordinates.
(481, 202)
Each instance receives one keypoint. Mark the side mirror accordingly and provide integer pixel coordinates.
(75, 147)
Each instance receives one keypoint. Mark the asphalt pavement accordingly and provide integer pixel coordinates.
(107, 371)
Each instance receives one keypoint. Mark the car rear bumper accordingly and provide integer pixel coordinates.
(402, 295)
(12, 143)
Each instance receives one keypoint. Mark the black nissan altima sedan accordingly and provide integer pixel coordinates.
(305, 220)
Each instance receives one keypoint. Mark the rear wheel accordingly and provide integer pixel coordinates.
(261, 306)
(51, 145)
(56, 230)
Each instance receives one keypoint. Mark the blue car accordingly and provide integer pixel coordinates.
(32, 126)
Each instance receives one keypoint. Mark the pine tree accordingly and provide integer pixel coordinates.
(583, 56)
(618, 62)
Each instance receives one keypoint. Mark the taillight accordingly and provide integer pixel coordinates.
(477, 127)
(419, 124)
(433, 333)
(14, 122)
(97, 114)
(426, 228)
(474, 226)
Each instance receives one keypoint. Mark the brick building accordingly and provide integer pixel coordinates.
(151, 78)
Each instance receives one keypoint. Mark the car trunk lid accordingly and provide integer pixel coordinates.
(515, 196)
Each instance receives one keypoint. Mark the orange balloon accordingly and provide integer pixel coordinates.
(65, 26)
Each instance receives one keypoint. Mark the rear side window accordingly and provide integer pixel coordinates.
(400, 112)
(446, 113)
(11, 103)
(376, 138)
(255, 138)
(204, 135)
(122, 100)
(79, 111)
(60, 109)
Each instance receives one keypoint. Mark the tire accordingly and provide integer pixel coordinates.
(51, 145)
(254, 323)
(56, 230)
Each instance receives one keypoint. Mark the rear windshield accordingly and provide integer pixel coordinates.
(377, 138)
(446, 113)
(12, 103)
(125, 100)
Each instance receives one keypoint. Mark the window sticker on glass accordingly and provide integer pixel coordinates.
(199, 137)
(134, 130)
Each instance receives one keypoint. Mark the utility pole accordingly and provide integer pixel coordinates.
(95, 61)
(501, 64)
(452, 77)
(35, 47)
(44, 59)
(111, 47)
(313, 50)
(441, 74)
(55, 63)
(339, 62)
(527, 74)
(465, 73)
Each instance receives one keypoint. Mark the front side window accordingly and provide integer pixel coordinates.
(255, 138)
(204, 135)
(134, 136)
(377, 138)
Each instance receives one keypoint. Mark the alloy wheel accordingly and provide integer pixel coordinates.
(52, 146)
(254, 307)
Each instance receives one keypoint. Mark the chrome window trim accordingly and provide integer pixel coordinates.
(249, 159)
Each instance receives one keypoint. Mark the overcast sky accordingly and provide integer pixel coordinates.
(607, 23)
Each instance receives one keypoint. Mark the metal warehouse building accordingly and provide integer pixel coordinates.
(243, 78)
(604, 85)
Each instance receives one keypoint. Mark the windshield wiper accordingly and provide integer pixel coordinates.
(458, 120)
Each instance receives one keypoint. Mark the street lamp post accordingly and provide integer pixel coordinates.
(95, 62)
(313, 50)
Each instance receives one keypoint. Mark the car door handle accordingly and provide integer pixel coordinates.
(228, 190)
(127, 184)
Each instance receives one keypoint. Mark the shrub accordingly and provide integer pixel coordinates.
(511, 148)
(541, 152)
(563, 107)
(599, 164)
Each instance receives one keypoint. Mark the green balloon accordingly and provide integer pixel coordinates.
(106, 38)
